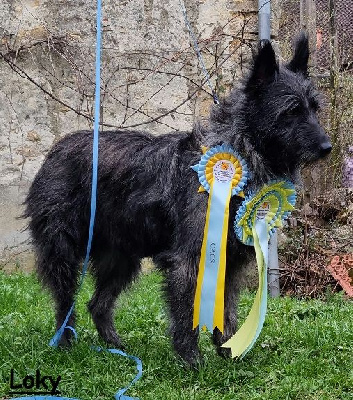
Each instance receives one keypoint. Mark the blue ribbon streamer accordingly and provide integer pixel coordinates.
(219, 194)
(120, 394)
(57, 336)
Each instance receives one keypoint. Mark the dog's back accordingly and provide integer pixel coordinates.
(139, 177)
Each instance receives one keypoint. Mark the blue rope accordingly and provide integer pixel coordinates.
(119, 395)
(56, 338)
(198, 52)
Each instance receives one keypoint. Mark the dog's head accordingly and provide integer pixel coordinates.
(281, 109)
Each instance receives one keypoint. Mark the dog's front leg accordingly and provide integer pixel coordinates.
(180, 288)
(230, 311)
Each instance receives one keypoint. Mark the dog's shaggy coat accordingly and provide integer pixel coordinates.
(148, 200)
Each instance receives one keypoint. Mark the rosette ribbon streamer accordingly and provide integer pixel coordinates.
(255, 222)
(222, 173)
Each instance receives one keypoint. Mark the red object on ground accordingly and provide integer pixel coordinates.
(341, 268)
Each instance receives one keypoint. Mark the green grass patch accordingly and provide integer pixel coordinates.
(304, 352)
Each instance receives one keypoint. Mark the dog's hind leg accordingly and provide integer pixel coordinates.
(57, 267)
(113, 271)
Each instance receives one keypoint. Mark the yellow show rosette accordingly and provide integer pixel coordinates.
(257, 218)
(222, 173)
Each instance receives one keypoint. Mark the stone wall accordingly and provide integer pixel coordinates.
(150, 79)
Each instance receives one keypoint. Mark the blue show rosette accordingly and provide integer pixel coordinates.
(222, 173)
(257, 218)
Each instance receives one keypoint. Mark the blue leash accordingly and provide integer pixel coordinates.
(119, 395)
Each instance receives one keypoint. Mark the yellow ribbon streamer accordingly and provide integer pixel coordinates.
(242, 341)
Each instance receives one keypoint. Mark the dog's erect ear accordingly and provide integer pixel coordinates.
(300, 59)
(265, 67)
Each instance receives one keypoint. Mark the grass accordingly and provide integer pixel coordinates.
(304, 351)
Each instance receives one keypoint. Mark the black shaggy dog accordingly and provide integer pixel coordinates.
(148, 200)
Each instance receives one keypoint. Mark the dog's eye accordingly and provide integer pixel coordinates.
(294, 111)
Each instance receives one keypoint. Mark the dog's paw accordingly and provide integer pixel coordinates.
(224, 352)
(67, 339)
(192, 359)
(111, 338)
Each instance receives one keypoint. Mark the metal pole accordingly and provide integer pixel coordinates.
(264, 19)
(273, 267)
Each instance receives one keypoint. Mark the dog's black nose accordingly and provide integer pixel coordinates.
(325, 149)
